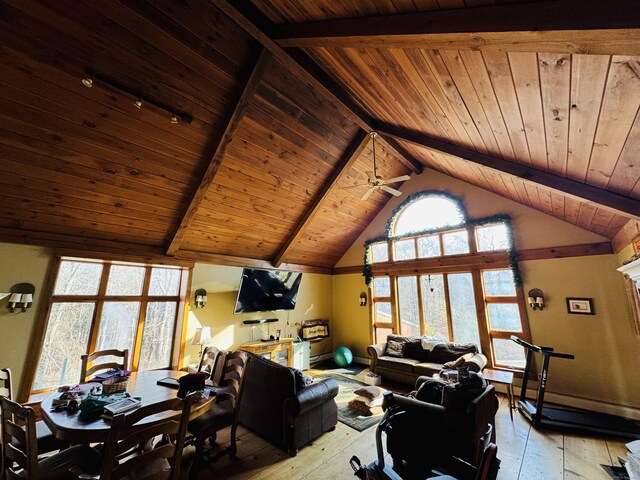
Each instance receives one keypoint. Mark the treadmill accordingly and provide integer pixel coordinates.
(566, 419)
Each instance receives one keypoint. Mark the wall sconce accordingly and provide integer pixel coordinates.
(201, 298)
(535, 297)
(202, 337)
(363, 299)
(21, 296)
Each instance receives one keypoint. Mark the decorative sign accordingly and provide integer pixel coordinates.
(315, 329)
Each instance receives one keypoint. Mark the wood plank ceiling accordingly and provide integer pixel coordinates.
(572, 115)
(255, 177)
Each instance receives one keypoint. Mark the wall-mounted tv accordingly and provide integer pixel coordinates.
(267, 290)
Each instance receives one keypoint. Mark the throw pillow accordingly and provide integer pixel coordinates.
(395, 349)
(371, 392)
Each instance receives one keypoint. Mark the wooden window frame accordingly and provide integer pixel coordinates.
(48, 292)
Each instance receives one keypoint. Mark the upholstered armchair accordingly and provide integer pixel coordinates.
(279, 408)
(426, 433)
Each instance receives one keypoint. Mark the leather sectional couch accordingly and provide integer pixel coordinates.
(418, 361)
(279, 407)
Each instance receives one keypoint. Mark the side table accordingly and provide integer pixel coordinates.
(505, 378)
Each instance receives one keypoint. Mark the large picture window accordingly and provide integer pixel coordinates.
(457, 284)
(110, 305)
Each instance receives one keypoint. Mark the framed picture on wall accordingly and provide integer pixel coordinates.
(581, 306)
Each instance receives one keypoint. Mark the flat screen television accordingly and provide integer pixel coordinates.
(267, 290)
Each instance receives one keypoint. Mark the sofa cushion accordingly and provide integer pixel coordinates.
(394, 349)
(427, 368)
(449, 351)
(413, 349)
(397, 364)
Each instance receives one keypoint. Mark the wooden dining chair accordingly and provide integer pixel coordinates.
(223, 414)
(122, 459)
(46, 441)
(212, 362)
(20, 454)
(89, 365)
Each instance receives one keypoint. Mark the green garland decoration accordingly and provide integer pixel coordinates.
(466, 223)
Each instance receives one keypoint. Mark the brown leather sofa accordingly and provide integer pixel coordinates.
(277, 407)
(416, 361)
(427, 433)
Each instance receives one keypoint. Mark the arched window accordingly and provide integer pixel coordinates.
(429, 212)
(448, 277)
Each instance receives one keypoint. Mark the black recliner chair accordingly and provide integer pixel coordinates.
(280, 409)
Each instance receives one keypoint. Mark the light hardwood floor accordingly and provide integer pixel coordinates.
(526, 454)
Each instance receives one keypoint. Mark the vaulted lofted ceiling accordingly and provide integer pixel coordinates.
(520, 99)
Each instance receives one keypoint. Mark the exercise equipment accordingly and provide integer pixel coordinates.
(342, 356)
(566, 419)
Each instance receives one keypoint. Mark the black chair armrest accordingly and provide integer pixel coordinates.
(310, 397)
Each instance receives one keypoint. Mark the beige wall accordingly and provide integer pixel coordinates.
(20, 264)
(604, 344)
(221, 283)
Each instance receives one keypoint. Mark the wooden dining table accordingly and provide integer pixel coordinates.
(75, 428)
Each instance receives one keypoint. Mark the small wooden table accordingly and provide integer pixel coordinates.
(74, 429)
(505, 378)
(272, 347)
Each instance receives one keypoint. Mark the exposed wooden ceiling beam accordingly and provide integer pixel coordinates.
(563, 26)
(221, 144)
(619, 204)
(304, 68)
(358, 144)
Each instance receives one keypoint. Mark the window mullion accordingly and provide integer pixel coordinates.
(420, 305)
(142, 314)
(395, 316)
(97, 316)
(445, 282)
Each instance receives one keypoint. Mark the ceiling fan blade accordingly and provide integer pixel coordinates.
(401, 178)
(372, 177)
(368, 193)
(392, 191)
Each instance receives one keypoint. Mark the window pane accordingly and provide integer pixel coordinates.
(117, 327)
(498, 283)
(463, 309)
(427, 213)
(504, 316)
(165, 281)
(382, 334)
(429, 246)
(78, 278)
(382, 312)
(157, 335)
(66, 339)
(405, 249)
(408, 306)
(379, 252)
(381, 287)
(508, 353)
(434, 306)
(125, 280)
(456, 242)
(492, 237)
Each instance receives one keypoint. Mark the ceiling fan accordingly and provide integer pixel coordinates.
(375, 182)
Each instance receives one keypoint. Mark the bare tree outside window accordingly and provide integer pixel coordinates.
(85, 290)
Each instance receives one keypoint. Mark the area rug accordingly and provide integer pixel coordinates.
(346, 414)
(330, 365)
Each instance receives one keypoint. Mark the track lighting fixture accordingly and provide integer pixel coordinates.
(138, 100)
